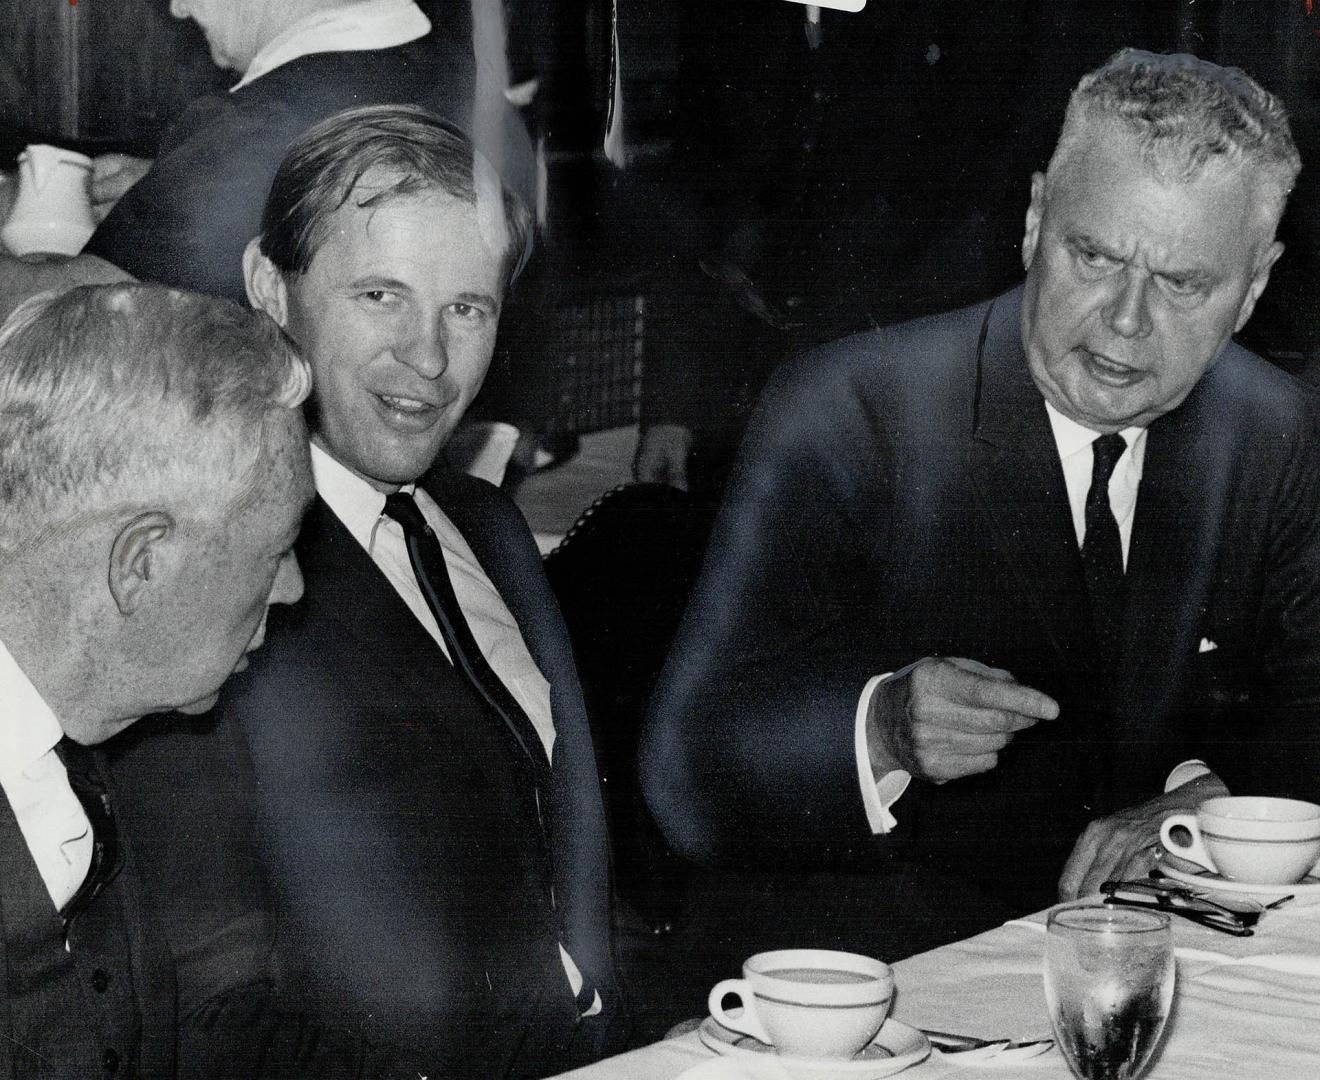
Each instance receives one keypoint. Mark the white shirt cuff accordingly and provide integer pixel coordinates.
(877, 795)
(1185, 774)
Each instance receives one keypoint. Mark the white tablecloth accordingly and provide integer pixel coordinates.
(552, 500)
(1245, 1008)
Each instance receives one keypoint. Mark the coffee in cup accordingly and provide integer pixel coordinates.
(1248, 838)
(808, 1002)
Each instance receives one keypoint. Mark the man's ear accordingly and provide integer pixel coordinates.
(1259, 280)
(133, 557)
(1035, 212)
(264, 283)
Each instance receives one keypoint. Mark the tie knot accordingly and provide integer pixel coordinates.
(1107, 449)
(404, 509)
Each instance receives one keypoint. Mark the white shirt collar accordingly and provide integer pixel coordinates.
(28, 728)
(368, 24)
(1070, 436)
(354, 501)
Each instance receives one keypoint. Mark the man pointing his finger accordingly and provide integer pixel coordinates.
(1025, 565)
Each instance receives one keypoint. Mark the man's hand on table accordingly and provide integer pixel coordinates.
(112, 176)
(22, 276)
(944, 718)
(1124, 846)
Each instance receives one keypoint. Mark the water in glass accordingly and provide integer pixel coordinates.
(1109, 976)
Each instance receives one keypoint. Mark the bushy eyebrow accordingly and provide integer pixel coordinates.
(1086, 242)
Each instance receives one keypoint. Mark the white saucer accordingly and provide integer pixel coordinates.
(896, 1047)
(1308, 889)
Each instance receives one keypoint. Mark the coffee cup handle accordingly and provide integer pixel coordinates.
(747, 1022)
(1193, 852)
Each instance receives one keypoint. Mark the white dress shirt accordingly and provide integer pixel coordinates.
(50, 817)
(368, 24)
(1074, 445)
(360, 507)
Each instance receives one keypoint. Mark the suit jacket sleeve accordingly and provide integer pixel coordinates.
(749, 741)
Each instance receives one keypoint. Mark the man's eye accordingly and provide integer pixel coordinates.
(377, 296)
(1096, 260)
(468, 312)
(1182, 286)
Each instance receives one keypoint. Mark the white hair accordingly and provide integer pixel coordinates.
(133, 395)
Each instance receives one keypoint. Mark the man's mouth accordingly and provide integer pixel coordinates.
(1108, 371)
(411, 415)
(406, 405)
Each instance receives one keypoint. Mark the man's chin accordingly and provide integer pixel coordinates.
(201, 705)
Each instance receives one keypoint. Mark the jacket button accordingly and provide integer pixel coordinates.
(100, 981)
(110, 1059)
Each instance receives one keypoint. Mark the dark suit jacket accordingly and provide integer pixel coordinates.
(110, 997)
(187, 221)
(900, 496)
(332, 746)
(63, 1013)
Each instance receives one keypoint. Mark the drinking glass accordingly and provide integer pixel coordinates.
(1109, 984)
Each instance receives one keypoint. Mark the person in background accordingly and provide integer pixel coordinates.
(153, 475)
(412, 747)
(182, 219)
(1022, 565)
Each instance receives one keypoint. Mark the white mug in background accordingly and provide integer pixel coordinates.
(53, 209)
(1249, 838)
(808, 1002)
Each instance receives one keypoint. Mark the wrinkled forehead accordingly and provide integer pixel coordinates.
(1176, 164)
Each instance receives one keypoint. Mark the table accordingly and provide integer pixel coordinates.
(553, 499)
(1245, 1008)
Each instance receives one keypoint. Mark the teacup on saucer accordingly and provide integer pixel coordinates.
(1250, 839)
(808, 1002)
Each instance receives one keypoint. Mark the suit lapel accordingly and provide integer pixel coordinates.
(362, 603)
(1015, 471)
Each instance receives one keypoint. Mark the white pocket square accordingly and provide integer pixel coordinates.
(1207, 646)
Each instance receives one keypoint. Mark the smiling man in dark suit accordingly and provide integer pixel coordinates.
(1038, 558)
(424, 787)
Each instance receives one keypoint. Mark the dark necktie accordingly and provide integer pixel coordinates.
(1102, 551)
(87, 784)
(428, 563)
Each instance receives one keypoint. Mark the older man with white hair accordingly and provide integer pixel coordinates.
(153, 476)
(1037, 557)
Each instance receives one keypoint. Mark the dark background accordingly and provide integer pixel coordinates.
(887, 166)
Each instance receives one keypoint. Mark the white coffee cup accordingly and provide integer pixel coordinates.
(1250, 838)
(53, 210)
(808, 1002)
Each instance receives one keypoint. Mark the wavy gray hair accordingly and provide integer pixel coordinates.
(130, 395)
(1185, 113)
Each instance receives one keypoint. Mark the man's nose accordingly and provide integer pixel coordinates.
(1128, 312)
(288, 586)
(428, 352)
